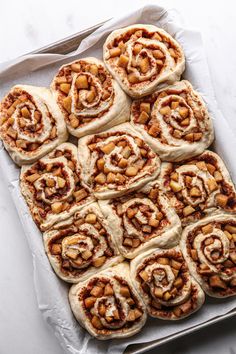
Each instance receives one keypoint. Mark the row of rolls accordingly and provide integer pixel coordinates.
(88, 96)
(140, 217)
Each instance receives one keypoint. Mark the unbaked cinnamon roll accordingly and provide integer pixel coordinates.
(116, 162)
(107, 305)
(209, 248)
(31, 123)
(174, 122)
(143, 58)
(89, 98)
(81, 245)
(198, 187)
(163, 280)
(52, 186)
(142, 220)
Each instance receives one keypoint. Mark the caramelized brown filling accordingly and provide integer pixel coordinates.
(54, 186)
(172, 110)
(146, 221)
(213, 249)
(105, 306)
(122, 169)
(153, 274)
(224, 198)
(120, 58)
(20, 114)
(76, 247)
(90, 80)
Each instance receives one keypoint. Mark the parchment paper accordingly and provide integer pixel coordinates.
(52, 292)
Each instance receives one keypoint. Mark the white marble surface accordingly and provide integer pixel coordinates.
(27, 25)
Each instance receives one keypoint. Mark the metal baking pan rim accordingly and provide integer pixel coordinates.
(67, 44)
(156, 343)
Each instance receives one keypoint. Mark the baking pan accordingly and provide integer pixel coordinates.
(68, 45)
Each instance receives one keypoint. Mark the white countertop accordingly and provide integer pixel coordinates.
(27, 25)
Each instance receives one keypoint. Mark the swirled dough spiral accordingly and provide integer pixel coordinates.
(107, 305)
(52, 186)
(174, 122)
(165, 284)
(143, 58)
(89, 98)
(142, 220)
(116, 161)
(31, 124)
(198, 187)
(209, 248)
(81, 245)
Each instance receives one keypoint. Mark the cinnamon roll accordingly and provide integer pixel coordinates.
(174, 122)
(198, 187)
(209, 248)
(52, 186)
(163, 280)
(116, 162)
(31, 123)
(142, 220)
(89, 98)
(107, 305)
(81, 246)
(143, 58)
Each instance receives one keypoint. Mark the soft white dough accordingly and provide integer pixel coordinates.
(170, 74)
(87, 160)
(121, 270)
(118, 112)
(44, 100)
(91, 270)
(176, 150)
